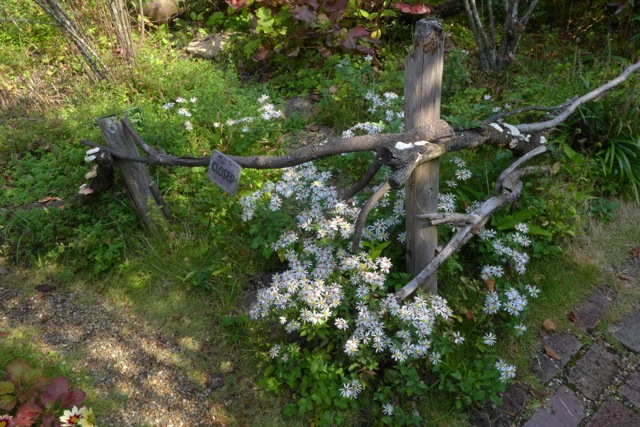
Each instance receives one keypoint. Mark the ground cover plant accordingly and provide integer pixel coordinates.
(325, 367)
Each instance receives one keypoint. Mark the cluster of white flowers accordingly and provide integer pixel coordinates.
(380, 102)
(384, 102)
(368, 128)
(351, 389)
(491, 271)
(447, 202)
(182, 111)
(266, 111)
(511, 300)
(312, 290)
(506, 371)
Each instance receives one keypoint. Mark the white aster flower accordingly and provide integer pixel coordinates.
(351, 346)
(534, 292)
(275, 350)
(387, 409)
(489, 339)
(463, 174)
(458, 338)
(341, 324)
(435, 358)
(520, 329)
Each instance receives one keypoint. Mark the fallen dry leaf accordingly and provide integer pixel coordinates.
(573, 317)
(45, 288)
(548, 325)
(469, 315)
(3, 334)
(510, 413)
(635, 253)
(49, 199)
(624, 277)
(538, 394)
(551, 353)
(490, 284)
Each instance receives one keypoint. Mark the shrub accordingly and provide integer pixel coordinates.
(29, 398)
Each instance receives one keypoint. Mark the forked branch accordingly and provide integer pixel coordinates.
(509, 191)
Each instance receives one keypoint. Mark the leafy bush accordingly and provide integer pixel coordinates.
(349, 335)
(288, 27)
(29, 398)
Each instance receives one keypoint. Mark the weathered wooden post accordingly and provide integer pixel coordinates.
(422, 88)
(142, 190)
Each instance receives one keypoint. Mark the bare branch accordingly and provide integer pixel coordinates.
(505, 173)
(549, 124)
(332, 146)
(520, 110)
(511, 190)
(456, 219)
(363, 181)
(138, 140)
(364, 211)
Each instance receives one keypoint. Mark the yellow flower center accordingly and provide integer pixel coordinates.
(74, 419)
(3, 423)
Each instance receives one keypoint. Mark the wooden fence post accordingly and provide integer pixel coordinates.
(422, 88)
(142, 190)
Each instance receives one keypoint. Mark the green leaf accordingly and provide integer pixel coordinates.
(18, 370)
(272, 384)
(289, 410)
(6, 387)
(7, 402)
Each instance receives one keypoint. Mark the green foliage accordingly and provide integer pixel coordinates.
(287, 28)
(30, 397)
(606, 131)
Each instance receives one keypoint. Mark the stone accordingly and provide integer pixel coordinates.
(565, 409)
(299, 105)
(630, 390)
(628, 331)
(590, 311)
(162, 11)
(208, 47)
(614, 414)
(565, 345)
(594, 371)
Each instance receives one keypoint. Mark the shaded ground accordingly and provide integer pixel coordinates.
(149, 377)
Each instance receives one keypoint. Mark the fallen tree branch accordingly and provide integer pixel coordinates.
(550, 124)
(399, 151)
(510, 190)
(333, 146)
(453, 218)
(505, 173)
(521, 110)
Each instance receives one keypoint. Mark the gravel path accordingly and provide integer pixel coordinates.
(147, 372)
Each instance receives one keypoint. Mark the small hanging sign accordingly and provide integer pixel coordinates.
(224, 172)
